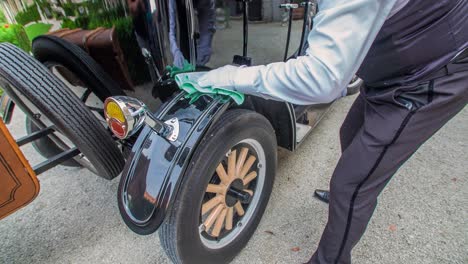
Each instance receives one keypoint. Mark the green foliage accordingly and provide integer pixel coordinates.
(68, 23)
(37, 29)
(70, 9)
(2, 16)
(135, 61)
(108, 18)
(58, 15)
(82, 22)
(16, 35)
(28, 15)
(42, 3)
(45, 7)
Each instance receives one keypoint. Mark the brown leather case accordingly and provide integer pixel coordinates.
(103, 46)
(18, 182)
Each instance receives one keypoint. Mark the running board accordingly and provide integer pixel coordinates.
(308, 120)
(302, 131)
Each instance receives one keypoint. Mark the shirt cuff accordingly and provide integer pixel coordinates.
(344, 92)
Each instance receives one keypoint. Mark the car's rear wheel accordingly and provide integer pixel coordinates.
(46, 146)
(46, 98)
(81, 75)
(224, 192)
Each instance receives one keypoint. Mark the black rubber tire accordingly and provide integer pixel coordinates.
(179, 233)
(71, 117)
(53, 50)
(45, 146)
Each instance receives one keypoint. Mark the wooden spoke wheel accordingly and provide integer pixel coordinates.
(228, 193)
(224, 192)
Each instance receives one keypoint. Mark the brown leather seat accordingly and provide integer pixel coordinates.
(103, 46)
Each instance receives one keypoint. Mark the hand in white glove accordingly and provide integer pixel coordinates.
(223, 77)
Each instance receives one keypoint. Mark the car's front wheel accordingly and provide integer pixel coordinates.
(224, 192)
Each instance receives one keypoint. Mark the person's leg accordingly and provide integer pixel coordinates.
(391, 133)
(352, 123)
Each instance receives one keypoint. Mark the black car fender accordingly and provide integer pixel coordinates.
(155, 166)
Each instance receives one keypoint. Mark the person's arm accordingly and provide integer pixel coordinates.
(343, 33)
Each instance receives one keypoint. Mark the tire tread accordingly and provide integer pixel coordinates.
(62, 107)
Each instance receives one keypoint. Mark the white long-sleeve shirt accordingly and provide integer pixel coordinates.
(343, 33)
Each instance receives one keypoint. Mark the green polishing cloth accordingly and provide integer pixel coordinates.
(188, 83)
(174, 70)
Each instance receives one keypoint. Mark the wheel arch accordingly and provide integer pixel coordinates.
(281, 116)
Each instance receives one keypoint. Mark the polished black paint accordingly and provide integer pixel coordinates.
(281, 115)
(156, 166)
(151, 23)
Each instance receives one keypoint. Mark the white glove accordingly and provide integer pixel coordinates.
(224, 77)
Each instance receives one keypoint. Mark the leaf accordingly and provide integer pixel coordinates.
(295, 249)
(269, 232)
(392, 227)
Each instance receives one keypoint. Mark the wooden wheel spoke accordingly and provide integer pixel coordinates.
(212, 217)
(219, 223)
(239, 209)
(248, 164)
(222, 173)
(250, 177)
(215, 188)
(240, 162)
(232, 164)
(229, 218)
(219, 215)
(211, 204)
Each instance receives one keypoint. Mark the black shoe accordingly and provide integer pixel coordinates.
(322, 195)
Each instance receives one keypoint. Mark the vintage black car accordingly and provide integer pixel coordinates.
(198, 171)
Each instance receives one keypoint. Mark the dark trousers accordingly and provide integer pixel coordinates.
(382, 130)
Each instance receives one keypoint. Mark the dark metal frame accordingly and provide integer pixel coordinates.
(44, 132)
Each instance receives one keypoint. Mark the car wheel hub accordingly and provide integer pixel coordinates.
(232, 198)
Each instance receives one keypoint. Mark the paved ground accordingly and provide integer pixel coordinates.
(266, 42)
(421, 217)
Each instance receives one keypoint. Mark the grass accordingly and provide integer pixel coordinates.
(37, 29)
